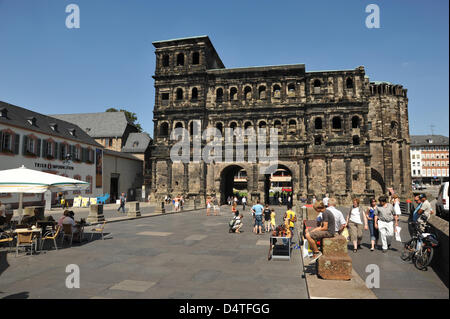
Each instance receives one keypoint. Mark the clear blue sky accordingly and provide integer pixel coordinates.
(109, 61)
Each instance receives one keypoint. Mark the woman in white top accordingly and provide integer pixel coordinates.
(396, 204)
(355, 221)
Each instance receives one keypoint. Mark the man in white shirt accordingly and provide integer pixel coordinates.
(338, 216)
(69, 220)
(326, 200)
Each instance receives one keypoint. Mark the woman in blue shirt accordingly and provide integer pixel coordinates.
(370, 214)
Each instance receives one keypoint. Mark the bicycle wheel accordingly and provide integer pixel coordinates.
(424, 257)
(409, 249)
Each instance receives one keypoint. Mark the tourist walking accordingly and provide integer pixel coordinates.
(123, 200)
(290, 214)
(325, 200)
(234, 208)
(314, 200)
(384, 221)
(356, 220)
(272, 219)
(216, 207)
(370, 215)
(258, 213)
(208, 206)
(244, 202)
(280, 201)
(396, 204)
(267, 213)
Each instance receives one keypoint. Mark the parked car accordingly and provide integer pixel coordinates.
(442, 201)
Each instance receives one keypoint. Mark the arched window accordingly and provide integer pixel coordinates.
(318, 123)
(164, 129)
(194, 95)
(219, 95)
(179, 94)
(262, 124)
(276, 91)
(248, 125)
(248, 93)
(277, 125)
(262, 92)
(179, 125)
(233, 125)
(219, 126)
(165, 60)
(337, 123)
(180, 59)
(355, 140)
(318, 140)
(233, 94)
(291, 90)
(196, 58)
(292, 124)
(317, 85)
(349, 83)
(355, 122)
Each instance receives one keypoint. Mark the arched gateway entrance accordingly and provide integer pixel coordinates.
(233, 180)
(278, 184)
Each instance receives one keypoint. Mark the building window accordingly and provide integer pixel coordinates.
(317, 84)
(276, 91)
(318, 123)
(355, 122)
(318, 140)
(248, 125)
(78, 178)
(248, 93)
(233, 125)
(233, 94)
(355, 140)
(110, 142)
(164, 129)
(337, 123)
(165, 99)
(165, 60)
(196, 58)
(262, 124)
(291, 90)
(180, 59)
(6, 142)
(349, 83)
(179, 94)
(194, 95)
(89, 180)
(414, 172)
(77, 153)
(219, 126)
(277, 125)
(262, 92)
(219, 95)
(179, 125)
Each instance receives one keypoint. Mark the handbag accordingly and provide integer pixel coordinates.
(345, 233)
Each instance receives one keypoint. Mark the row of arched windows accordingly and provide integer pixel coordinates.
(180, 59)
(248, 92)
(318, 140)
(336, 123)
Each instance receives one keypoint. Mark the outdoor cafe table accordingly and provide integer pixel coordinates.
(36, 232)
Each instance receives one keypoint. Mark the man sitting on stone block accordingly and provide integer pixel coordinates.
(326, 230)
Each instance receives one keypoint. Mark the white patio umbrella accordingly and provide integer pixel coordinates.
(23, 180)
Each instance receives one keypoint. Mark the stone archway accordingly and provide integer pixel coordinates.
(279, 184)
(376, 176)
(228, 181)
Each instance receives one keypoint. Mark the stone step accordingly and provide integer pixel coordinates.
(335, 267)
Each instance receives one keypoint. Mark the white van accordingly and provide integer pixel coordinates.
(442, 201)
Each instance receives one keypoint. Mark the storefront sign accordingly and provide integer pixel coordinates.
(52, 166)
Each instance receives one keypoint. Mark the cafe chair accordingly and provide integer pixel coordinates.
(67, 228)
(25, 240)
(98, 230)
(51, 235)
(7, 238)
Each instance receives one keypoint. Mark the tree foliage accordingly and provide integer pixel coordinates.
(130, 115)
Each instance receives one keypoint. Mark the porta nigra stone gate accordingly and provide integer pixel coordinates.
(339, 133)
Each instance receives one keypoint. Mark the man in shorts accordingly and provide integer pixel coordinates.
(326, 230)
(258, 212)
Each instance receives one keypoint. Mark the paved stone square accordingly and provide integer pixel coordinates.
(185, 255)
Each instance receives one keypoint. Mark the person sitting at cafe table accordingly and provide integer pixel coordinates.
(70, 220)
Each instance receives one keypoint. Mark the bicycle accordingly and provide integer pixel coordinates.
(420, 248)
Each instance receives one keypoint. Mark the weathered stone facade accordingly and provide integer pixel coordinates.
(339, 132)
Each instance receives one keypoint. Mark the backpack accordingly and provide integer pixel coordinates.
(232, 222)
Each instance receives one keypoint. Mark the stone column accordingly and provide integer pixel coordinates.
(153, 181)
(348, 174)
(186, 179)
(328, 174)
(169, 176)
(307, 173)
(133, 209)
(368, 173)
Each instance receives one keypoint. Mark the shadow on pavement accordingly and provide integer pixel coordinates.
(20, 295)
